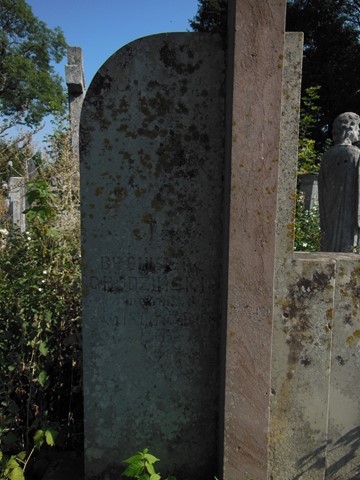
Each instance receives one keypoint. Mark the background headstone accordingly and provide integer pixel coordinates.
(152, 173)
(17, 202)
(308, 185)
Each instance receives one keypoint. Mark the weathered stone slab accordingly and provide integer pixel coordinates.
(254, 151)
(152, 169)
(315, 414)
(343, 451)
(301, 369)
(314, 426)
(289, 139)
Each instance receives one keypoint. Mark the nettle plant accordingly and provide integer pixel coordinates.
(141, 466)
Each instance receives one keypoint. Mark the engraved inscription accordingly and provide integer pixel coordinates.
(155, 292)
(126, 275)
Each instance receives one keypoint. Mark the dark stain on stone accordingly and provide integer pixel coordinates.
(143, 132)
(340, 359)
(122, 127)
(305, 361)
(116, 196)
(123, 106)
(169, 58)
(111, 289)
(348, 320)
(153, 84)
(296, 321)
(181, 108)
(147, 267)
(306, 288)
(147, 302)
(160, 104)
(167, 268)
(100, 86)
(158, 202)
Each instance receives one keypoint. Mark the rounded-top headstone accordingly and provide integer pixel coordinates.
(152, 170)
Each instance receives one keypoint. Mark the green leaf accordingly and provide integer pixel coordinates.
(12, 463)
(150, 458)
(155, 476)
(17, 474)
(43, 376)
(133, 470)
(54, 232)
(134, 458)
(43, 349)
(50, 436)
(39, 438)
(21, 456)
(150, 468)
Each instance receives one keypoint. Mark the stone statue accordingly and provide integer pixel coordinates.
(339, 188)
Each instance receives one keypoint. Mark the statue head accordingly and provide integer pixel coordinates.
(346, 128)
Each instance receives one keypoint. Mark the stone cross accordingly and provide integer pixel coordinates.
(75, 81)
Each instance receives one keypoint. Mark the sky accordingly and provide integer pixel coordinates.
(100, 27)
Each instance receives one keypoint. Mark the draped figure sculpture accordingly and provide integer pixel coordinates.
(339, 188)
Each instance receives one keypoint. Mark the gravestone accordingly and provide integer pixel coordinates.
(17, 202)
(308, 186)
(154, 191)
(152, 174)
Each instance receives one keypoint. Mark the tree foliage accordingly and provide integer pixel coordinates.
(331, 50)
(310, 152)
(331, 55)
(29, 87)
(211, 17)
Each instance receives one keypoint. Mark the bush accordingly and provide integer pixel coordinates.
(307, 227)
(40, 332)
